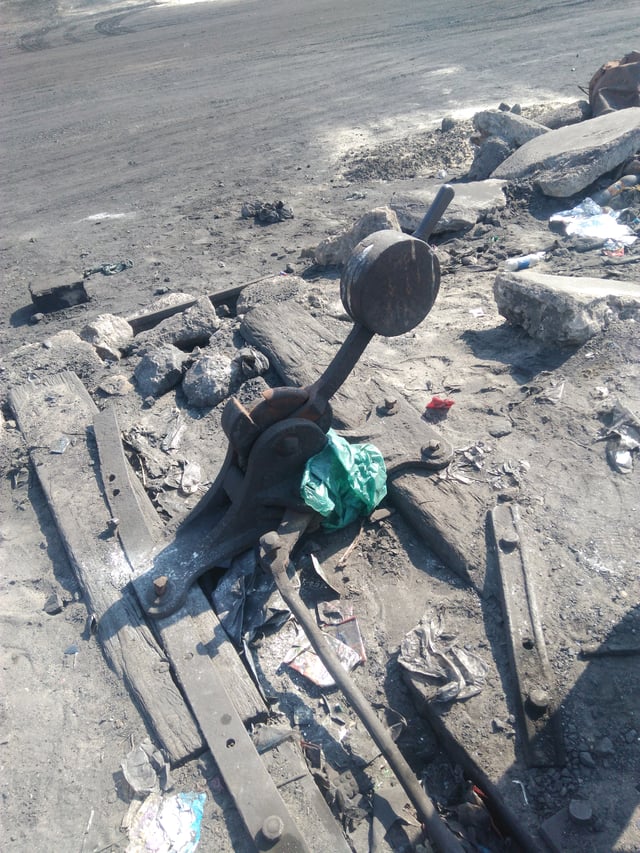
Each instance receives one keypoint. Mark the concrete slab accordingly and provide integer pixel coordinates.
(470, 202)
(513, 128)
(565, 161)
(564, 310)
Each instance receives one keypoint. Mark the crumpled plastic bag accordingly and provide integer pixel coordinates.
(344, 481)
(169, 824)
(588, 219)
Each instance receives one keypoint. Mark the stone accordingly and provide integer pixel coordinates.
(605, 747)
(471, 201)
(565, 161)
(53, 605)
(275, 288)
(565, 115)
(186, 330)
(488, 157)
(208, 380)
(586, 759)
(116, 385)
(448, 123)
(159, 370)
(564, 310)
(513, 128)
(334, 251)
(109, 334)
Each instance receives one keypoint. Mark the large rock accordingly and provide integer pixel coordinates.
(469, 203)
(513, 128)
(566, 114)
(159, 370)
(275, 288)
(208, 380)
(564, 310)
(565, 161)
(334, 251)
(109, 334)
(488, 157)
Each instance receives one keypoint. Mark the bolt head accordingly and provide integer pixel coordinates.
(539, 698)
(272, 827)
(160, 585)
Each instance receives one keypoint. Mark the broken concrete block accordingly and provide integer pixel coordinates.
(63, 351)
(159, 370)
(115, 386)
(488, 157)
(334, 251)
(109, 335)
(276, 288)
(469, 203)
(187, 330)
(513, 128)
(208, 380)
(565, 161)
(58, 291)
(564, 310)
(566, 114)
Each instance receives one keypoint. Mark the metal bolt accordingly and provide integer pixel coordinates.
(272, 827)
(509, 541)
(269, 544)
(160, 585)
(430, 448)
(580, 811)
(539, 698)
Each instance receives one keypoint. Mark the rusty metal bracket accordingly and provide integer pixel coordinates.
(388, 287)
(539, 711)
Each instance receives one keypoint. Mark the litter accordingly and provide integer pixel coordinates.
(344, 481)
(167, 824)
(305, 661)
(346, 641)
(440, 403)
(590, 220)
(461, 673)
(628, 182)
(108, 269)
(524, 261)
(623, 439)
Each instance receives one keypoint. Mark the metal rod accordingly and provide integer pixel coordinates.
(437, 207)
(275, 550)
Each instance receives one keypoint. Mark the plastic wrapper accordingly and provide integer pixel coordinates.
(588, 219)
(344, 481)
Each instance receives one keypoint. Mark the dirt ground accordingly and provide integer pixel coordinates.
(525, 427)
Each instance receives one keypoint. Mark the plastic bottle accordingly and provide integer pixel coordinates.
(524, 261)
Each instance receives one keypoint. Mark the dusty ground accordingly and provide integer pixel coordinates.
(67, 722)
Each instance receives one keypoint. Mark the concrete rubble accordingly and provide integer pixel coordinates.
(335, 250)
(470, 202)
(565, 161)
(109, 334)
(564, 310)
(159, 370)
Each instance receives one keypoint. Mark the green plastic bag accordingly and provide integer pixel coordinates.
(344, 481)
